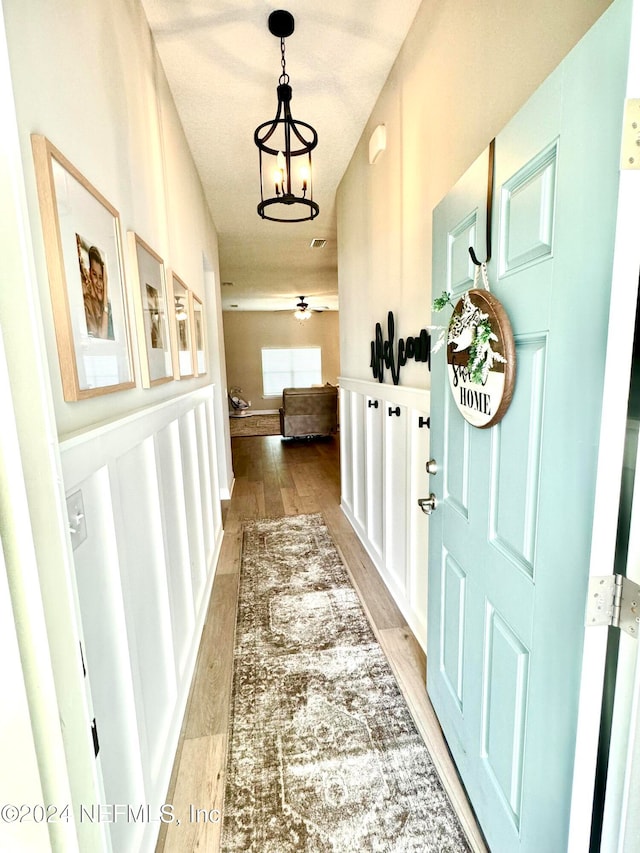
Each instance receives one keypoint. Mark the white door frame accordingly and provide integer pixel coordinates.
(624, 290)
(35, 539)
(20, 782)
(621, 823)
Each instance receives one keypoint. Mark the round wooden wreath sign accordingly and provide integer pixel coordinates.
(481, 358)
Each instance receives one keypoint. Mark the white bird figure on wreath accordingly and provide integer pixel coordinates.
(463, 326)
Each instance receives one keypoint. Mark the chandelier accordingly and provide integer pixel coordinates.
(285, 145)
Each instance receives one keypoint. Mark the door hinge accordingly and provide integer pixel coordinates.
(630, 153)
(614, 600)
(94, 737)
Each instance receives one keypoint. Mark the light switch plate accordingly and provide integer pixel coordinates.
(77, 521)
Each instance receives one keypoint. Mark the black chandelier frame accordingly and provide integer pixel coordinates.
(292, 133)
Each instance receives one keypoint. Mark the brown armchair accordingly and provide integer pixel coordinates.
(309, 411)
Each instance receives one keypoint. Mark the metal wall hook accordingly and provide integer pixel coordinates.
(395, 411)
(373, 404)
(492, 161)
(474, 257)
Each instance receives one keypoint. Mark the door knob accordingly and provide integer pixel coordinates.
(427, 505)
(432, 466)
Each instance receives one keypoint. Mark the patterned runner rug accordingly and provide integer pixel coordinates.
(323, 752)
(255, 425)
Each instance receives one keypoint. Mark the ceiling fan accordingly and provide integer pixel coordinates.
(302, 305)
(303, 311)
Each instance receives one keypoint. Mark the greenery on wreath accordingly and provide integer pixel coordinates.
(469, 329)
(442, 301)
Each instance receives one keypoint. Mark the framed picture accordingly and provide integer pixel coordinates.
(199, 336)
(182, 312)
(86, 278)
(152, 315)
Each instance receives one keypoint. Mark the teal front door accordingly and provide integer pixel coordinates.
(510, 538)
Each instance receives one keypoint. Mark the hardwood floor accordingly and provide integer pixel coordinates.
(274, 478)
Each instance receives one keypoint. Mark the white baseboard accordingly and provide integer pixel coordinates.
(226, 492)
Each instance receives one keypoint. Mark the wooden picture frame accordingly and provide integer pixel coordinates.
(181, 311)
(83, 247)
(151, 312)
(199, 336)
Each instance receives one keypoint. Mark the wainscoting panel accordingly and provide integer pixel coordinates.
(195, 522)
(146, 594)
(358, 459)
(176, 542)
(209, 484)
(346, 456)
(145, 552)
(384, 445)
(418, 486)
(374, 469)
(106, 656)
(396, 516)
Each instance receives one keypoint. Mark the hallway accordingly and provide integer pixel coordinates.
(275, 478)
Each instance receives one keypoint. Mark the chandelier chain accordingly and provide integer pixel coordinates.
(284, 77)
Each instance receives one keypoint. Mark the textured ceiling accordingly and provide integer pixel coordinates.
(223, 64)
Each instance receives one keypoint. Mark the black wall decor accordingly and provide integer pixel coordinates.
(384, 355)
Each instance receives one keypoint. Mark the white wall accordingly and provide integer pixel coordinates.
(464, 70)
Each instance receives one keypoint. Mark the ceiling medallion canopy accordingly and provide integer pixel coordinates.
(285, 146)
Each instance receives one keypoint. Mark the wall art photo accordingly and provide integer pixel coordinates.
(199, 336)
(182, 308)
(83, 251)
(95, 291)
(152, 315)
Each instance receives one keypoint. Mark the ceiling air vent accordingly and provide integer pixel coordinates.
(227, 284)
(317, 243)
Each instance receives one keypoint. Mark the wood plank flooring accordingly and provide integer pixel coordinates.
(274, 478)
